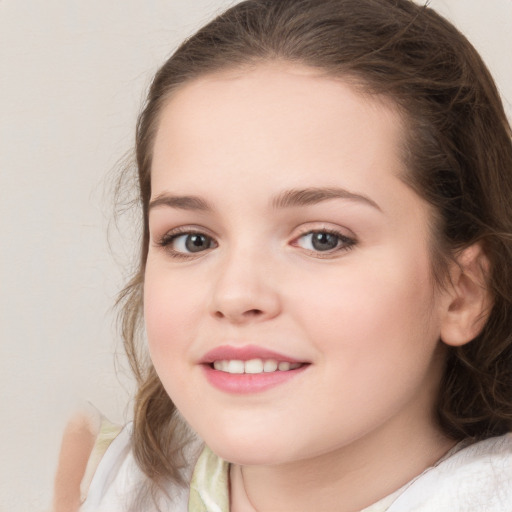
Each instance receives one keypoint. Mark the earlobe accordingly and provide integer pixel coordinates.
(468, 299)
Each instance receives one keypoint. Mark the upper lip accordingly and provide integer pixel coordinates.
(245, 353)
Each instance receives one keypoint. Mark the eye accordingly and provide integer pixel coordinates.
(185, 243)
(192, 242)
(324, 241)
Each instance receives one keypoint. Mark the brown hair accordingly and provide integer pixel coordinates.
(458, 151)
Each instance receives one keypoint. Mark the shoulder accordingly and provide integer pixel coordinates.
(118, 482)
(105, 435)
(105, 468)
(476, 478)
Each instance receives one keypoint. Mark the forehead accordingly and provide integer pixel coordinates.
(274, 90)
(276, 118)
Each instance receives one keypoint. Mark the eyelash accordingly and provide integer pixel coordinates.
(345, 243)
(166, 240)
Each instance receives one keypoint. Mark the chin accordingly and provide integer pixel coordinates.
(247, 452)
(249, 440)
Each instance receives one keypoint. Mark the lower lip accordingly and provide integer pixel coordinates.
(244, 383)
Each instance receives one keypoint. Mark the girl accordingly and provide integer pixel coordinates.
(325, 273)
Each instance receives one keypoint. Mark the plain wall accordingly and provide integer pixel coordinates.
(72, 79)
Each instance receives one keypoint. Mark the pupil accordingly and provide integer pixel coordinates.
(324, 241)
(196, 243)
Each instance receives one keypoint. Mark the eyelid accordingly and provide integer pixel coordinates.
(169, 236)
(182, 230)
(349, 240)
(314, 227)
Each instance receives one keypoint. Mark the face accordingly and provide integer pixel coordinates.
(289, 303)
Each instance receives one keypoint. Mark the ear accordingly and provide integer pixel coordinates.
(468, 300)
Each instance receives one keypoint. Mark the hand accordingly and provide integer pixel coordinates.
(77, 444)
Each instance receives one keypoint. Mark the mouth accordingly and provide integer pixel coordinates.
(249, 369)
(254, 366)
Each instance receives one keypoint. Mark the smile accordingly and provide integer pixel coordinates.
(254, 366)
(249, 369)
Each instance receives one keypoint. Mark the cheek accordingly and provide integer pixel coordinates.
(374, 311)
(377, 339)
(168, 314)
(169, 323)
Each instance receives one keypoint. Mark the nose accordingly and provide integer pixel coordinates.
(244, 290)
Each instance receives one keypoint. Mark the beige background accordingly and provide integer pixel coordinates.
(72, 78)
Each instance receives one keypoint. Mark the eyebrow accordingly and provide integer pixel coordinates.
(180, 202)
(311, 196)
(286, 199)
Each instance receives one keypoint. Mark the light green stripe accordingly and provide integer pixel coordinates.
(209, 488)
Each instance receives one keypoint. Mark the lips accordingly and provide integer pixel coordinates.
(245, 353)
(249, 369)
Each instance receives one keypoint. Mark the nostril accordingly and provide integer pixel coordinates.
(250, 313)
(253, 312)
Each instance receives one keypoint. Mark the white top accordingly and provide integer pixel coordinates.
(118, 479)
(474, 478)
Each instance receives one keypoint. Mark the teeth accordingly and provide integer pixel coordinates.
(254, 366)
(270, 366)
(235, 366)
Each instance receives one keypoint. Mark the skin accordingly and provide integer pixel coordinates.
(76, 447)
(358, 423)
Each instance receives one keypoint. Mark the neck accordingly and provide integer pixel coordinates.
(346, 480)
